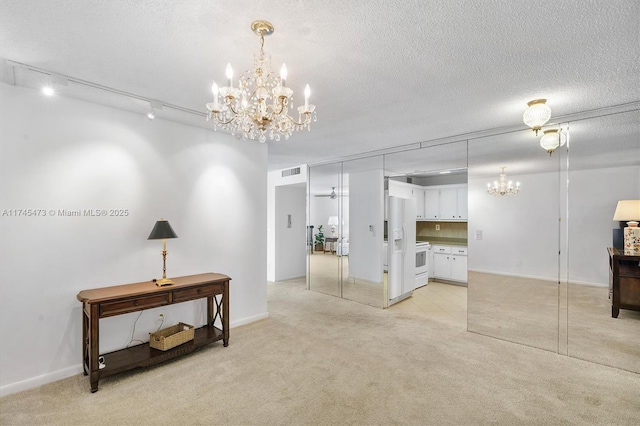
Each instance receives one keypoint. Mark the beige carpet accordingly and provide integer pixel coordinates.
(325, 270)
(526, 311)
(324, 360)
(594, 335)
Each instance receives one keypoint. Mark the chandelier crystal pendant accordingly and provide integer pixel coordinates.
(503, 187)
(259, 108)
(552, 139)
(536, 114)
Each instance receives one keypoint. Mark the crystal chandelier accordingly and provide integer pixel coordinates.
(259, 107)
(502, 187)
(536, 114)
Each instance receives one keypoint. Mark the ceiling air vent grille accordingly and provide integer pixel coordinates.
(291, 172)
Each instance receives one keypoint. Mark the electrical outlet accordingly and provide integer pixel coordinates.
(437, 227)
(519, 263)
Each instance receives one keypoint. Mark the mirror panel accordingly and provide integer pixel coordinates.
(514, 269)
(604, 167)
(417, 175)
(361, 230)
(324, 267)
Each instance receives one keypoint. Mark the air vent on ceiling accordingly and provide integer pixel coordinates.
(291, 172)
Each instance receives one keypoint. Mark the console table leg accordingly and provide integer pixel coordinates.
(225, 316)
(94, 341)
(85, 340)
(615, 311)
(94, 382)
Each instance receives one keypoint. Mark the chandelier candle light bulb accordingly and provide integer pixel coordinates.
(229, 73)
(214, 89)
(283, 75)
(307, 93)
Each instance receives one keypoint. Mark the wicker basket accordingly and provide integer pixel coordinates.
(171, 337)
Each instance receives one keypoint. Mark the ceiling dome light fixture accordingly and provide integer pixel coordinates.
(259, 107)
(552, 139)
(536, 114)
(502, 187)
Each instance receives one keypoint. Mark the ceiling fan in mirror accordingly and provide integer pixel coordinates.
(332, 195)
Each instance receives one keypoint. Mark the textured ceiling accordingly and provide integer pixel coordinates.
(383, 73)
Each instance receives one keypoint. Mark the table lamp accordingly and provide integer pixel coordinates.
(333, 222)
(161, 231)
(628, 211)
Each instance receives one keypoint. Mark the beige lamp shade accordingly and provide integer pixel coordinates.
(627, 210)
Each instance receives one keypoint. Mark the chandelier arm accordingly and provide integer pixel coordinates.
(282, 104)
(223, 123)
(307, 119)
(230, 105)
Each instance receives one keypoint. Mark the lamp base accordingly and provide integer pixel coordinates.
(164, 281)
(632, 240)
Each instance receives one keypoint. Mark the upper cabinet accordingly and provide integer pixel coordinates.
(410, 191)
(445, 202)
(431, 204)
(453, 203)
(418, 195)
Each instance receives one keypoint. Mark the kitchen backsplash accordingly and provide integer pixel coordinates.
(427, 230)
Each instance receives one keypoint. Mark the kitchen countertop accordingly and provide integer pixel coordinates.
(445, 241)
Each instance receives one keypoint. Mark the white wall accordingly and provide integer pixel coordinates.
(62, 153)
(290, 243)
(366, 200)
(524, 228)
(519, 233)
(275, 179)
(593, 196)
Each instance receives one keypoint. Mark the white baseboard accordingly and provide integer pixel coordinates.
(66, 372)
(536, 277)
(40, 380)
(291, 277)
(248, 320)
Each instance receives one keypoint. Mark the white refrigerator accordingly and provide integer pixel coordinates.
(401, 252)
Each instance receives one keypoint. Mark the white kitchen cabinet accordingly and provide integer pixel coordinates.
(444, 202)
(450, 263)
(408, 190)
(441, 265)
(463, 203)
(430, 261)
(432, 204)
(418, 196)
(400, 189)
(453, 203)
(459, 268)
(448, 203)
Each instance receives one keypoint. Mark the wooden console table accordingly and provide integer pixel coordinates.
(110, 301)
(624, 281)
